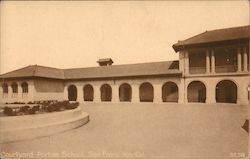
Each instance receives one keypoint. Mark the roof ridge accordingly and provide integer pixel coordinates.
(195, 36)
(215, 30)
(245, 26)
(48, 67)
(120, 65)
(17, 69)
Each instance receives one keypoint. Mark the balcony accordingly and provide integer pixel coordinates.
(197, 70)
(226, 68)
(218, 69)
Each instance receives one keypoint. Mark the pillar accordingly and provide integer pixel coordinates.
(97, 93)
(19, 92)
(10, 94)
(31, 91)
(242, 93)
(181, 91)
(186, 63)
(135, 93)
(239, 60)
(157, 93)
(1, 92)
(115, 93)
(185, 92)
(79, 94)
(207, 62)
(211, 93)
(245, 59)
(212, 61)
(65, 92)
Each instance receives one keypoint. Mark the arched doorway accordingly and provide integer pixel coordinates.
(170, 92)
(196, 92)
(125, 92)
(72, 93)
(106, 93)
(146, 92)
(88, 93)
(226, 92)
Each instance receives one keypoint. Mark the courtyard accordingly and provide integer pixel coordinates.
(146, 130)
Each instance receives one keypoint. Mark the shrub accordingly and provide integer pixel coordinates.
(9, 111)
(31, 102)
(17, 103)
(72, 105)
(51, 108)
(34, 109)
(56, 106)
(24, 109)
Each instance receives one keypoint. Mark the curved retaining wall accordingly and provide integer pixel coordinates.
(16, 128)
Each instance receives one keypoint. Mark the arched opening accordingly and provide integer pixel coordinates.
(196, 92)
(226, 92)
(106, 93)
(170, 92)
(5, 88)
(146, 92)
(88, 93)
(25, 88)
(14, 87)
(72, 93)
(125, 92)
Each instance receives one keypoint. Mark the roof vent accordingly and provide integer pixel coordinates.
(105, 62)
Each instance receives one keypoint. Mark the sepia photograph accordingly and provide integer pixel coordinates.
(124, 79)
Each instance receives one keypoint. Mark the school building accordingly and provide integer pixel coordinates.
(213, 67)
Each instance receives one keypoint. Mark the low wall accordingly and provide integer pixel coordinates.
(17, 128)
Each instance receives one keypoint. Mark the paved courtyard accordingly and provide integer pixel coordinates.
(146, 131)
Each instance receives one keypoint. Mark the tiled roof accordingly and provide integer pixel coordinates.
(35, 71)
(143, 69)
(219, 35)
(128, 70)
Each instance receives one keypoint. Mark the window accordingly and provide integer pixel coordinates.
(5, 88)
(25, 87)
(14, 88)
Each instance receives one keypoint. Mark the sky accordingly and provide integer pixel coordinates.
(73, 34)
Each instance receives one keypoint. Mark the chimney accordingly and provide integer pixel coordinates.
(105, 62)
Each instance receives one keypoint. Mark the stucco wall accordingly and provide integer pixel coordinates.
(20, 96)
(38, 89)
(157, 83)
(210, 82)
(48, 89)
(45, 85)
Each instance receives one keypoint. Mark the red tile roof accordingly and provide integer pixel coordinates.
(129, 70)
(35, 71)
(218, 35)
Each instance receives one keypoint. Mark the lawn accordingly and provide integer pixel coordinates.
(147, 131)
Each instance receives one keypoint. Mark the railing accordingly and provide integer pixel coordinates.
(226, 68)
(218, 69)
(197, 70)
